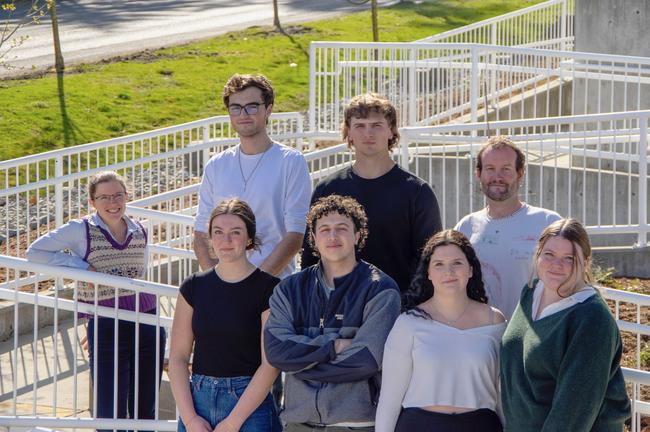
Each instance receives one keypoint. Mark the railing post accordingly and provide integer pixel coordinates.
(299, 129)
(492, 70)
(563, 26)
(58, 191)
(312, 87)
(404, 149)
(643, 182)
(413, 100)
(474, 86)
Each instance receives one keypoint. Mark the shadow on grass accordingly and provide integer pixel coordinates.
(71, 132)
(293, 40)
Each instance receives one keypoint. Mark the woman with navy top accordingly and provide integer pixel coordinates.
(219, 317)
(440, 368)
(108, 241)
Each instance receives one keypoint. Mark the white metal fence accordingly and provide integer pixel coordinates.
(593, 167)
(42, 191)
(547, 25)
(44, 369)
(453, 83)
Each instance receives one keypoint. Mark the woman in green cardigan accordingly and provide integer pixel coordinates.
(561, 351)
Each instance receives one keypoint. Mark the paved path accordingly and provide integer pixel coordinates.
(91, 30)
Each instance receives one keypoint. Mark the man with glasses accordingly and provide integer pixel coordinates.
(272, 178)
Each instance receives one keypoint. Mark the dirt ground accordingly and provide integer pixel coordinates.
(628, 312)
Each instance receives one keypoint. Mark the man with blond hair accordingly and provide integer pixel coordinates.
(402, 208)
(505, 232)
(272, 178)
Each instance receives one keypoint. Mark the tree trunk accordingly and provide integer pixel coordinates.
(375, 25)
(276, 15)
(59, 66)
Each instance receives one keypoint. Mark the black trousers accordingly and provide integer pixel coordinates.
(419, 420)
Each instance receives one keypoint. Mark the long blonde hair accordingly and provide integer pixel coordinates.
(572, 230)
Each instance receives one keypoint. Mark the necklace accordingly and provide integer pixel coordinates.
(448, 321)
(259, 161)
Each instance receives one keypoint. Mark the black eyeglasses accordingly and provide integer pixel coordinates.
(249, 109)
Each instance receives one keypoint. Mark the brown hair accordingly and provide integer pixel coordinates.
(345, 206)
(241, 209)
(573, 231)
(104, 177)
(362, 105)
(499, 142)
(239, 82)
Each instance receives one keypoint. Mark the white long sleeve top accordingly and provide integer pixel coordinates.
(429, 363)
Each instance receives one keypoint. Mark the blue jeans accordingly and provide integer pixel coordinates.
(126, 364)
(214, 398)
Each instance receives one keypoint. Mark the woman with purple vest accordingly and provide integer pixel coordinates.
(108, 241)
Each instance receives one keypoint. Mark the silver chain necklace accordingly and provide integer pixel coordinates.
(259, 161)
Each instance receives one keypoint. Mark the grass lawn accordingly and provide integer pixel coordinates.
(180, 84)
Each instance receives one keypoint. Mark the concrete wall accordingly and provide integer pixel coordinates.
(613, 27)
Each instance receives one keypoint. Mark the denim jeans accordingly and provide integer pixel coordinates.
(126, 364)
(214, 398)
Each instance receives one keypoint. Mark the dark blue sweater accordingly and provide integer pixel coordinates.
(321, 386)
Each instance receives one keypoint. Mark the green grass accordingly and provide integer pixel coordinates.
(180, 84)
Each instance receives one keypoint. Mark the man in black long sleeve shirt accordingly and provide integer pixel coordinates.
(402, 208)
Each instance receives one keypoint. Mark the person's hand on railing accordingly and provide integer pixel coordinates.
(84, 343)
(90, 284)
(198, 424)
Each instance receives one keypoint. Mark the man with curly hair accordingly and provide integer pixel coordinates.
(402, 208)
(328, 325)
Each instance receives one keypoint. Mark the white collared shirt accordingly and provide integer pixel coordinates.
(560, 305)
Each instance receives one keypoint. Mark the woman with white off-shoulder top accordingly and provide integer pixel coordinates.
(441, 360)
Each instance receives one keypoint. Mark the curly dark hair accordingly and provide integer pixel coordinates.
(421, 288)
(343, 205)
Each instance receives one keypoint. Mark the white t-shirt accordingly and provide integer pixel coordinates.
(277, 187)
(429, 363)
(505, 247)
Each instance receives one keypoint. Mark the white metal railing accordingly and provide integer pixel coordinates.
(547, 25)
(42, 191)
(45, 370)
(25, 406)
(592, 167)
(632, 303)
(437, 83)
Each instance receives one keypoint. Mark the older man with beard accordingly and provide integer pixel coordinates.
(505, 232)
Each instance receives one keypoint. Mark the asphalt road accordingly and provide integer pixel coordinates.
(92, 30)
